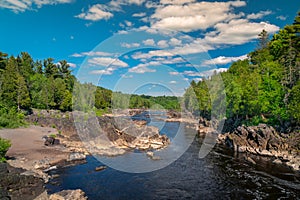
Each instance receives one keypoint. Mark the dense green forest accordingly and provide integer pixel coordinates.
(263, 88)
(27, 84)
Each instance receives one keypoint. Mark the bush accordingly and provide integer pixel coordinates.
(10, 118)
(4, 146)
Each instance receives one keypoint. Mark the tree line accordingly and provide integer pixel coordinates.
(26, 84)
(263, 88)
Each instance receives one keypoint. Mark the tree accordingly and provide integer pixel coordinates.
(8, 93)
(263, 39)
(50, 68)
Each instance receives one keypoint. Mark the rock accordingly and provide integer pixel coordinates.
(49, 141)
(250, 160)
(100, 168)
(43, 196)
(76, 156)
(265, 153)
(277, 161)
(68, 195)
(50, 168)
(16, 185)
(151, 155)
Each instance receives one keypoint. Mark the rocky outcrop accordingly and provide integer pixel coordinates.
(68, 194)
(63, 195)
(63, 122)
(265, 141)
(127, 135)
(113, 136)
(15, 185)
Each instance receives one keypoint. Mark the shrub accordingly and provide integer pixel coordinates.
(4, 146)
(10, 118)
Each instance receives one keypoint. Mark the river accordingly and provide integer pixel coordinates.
(220, 175)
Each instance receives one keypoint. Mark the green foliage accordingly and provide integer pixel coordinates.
(4, 146)
(11, 118)
(53, 135)
(264, 88)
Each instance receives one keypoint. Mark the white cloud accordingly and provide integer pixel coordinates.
(176, 2)
(128, 23)
(194, 16)
(122, 32)
(116, 5)
(73, 65)
(132, 45)
(207, 73)
(22, 5)
(175, 42)
(259, 15)
(197, 79)
(107, 71)
(95, 13)
(162, 43)
(149, 42)
(93, 53)
(222, 60)
(107, 61)
(238, 31)
(127, 76)
(174, 73)
(172, 82)
(151, 54)
(281, 17)
(192, 73)
(144, 67)
(142, 14)
(137, 2)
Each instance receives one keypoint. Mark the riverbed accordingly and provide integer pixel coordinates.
(222, 174)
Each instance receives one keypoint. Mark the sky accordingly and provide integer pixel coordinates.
(139, 46)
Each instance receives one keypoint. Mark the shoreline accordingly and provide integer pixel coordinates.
(29, 152)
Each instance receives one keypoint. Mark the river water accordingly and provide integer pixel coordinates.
(220, 175)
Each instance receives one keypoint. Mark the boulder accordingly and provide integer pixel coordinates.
(76, 156)
(68, 194)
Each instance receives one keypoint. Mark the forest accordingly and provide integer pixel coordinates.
(27, 84)
(265, 88)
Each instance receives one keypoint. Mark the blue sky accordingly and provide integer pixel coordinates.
(138, 46)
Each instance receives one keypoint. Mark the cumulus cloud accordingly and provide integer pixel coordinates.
(149, 42)
(238, 31)
(281, 17)
(176, 2)
(162, 43)
(259, 15)
(142, 14)
(22, 5)
(95, 13)
(174, 73)
(108, 71)
(222, 60)
(144, 67)
(206, 73)
(194, 16)
(132, 45)
(73, 65)
(93, 53)
(175, 42)
(151, 54)
(107, 61)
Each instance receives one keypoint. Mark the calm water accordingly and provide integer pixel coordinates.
(220, 175)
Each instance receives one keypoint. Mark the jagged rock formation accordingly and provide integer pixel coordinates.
(265, 141)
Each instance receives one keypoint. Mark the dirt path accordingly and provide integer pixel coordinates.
(28, 150)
